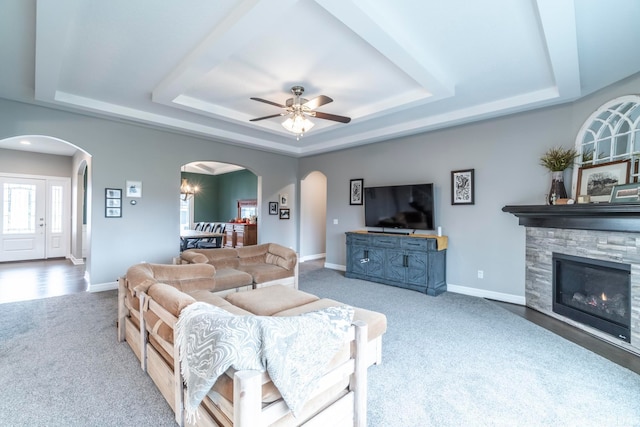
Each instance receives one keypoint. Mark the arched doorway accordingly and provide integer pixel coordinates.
(222, 195)
(64, 170)
(313, 216)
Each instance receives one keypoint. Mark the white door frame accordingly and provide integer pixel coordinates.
(56, 244)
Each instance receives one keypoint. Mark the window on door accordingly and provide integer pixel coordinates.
(19, 208)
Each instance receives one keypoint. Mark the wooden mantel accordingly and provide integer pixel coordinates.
(591, 216)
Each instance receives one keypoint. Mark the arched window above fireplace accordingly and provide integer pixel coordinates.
(610, 134)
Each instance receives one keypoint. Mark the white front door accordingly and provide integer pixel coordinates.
(23, 227)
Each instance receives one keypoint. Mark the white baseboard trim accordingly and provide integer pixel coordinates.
(335, 266)
(475, 292)
(312, 257)
(76, 261)
(101, 287)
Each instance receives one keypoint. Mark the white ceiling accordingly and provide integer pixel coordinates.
(396, 68)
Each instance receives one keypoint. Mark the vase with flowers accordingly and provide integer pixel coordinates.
(556, 160)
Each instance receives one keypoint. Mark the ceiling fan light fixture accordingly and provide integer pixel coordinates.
(297, 124)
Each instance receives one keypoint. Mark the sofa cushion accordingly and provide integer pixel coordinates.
(270, 300)
(218, 301)
(184, 277)
(255, 254)
(228, 278)
(220, 258)
(262, 273)
(376, 322)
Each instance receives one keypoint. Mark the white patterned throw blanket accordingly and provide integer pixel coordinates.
(293, 350)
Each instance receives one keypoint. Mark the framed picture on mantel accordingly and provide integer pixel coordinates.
(598, 181)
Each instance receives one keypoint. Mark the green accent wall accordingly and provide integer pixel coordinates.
(217, 200)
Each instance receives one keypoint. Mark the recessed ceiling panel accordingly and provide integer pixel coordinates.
(396, 68)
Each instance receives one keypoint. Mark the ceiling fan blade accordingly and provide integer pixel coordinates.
(318, 101)
(267, 117)
(269, 102)
(334, 117)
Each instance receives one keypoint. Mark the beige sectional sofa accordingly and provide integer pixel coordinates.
(256, 266)
(151, 298)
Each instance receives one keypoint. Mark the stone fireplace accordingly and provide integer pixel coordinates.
(600, 246)
(593, 292)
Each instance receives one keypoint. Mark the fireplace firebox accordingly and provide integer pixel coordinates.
(593, 292)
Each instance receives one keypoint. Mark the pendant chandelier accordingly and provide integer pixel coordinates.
(187, 190)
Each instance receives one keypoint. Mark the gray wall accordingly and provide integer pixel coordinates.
(505, 154)
(23, 162)
(122, 151)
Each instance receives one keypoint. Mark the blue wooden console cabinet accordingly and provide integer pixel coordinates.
(407, 261)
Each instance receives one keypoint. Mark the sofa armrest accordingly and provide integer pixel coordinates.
(281, 256)
(194, 257)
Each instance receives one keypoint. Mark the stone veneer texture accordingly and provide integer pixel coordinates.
(612, 246)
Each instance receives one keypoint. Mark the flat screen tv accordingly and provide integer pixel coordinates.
(399, 206)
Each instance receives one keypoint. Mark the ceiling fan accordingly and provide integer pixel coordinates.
(299, 109)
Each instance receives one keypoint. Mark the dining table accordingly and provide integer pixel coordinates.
(187, 235)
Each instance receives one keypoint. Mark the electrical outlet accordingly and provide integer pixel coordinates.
(335, 221)
(480, 274)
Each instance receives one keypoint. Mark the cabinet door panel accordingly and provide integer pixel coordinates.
(356, 255)
(416, 268)
(395, 265)
(375, 266)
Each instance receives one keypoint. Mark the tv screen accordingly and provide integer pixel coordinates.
(399, 206)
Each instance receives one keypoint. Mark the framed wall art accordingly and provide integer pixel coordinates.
(356, 187)
(284, 199)
(113, 202)
(285, 213)
(598, 181)
(273, 208)
(134, 189)
(462, 187)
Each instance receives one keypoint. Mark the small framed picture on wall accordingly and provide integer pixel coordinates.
(355, 191)
(462, 187)
(273, 208)
(284, 213)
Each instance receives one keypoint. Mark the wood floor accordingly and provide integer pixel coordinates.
(28, 280)
(577, 336)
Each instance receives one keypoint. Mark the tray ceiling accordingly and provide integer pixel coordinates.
(396, 68)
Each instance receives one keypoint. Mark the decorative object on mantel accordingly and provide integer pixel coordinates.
(462, 187)
(598, 181)
(626, 193)
(584, 199)
(556, 160)
(564, 201)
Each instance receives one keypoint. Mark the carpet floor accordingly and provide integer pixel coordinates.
(451, 360)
